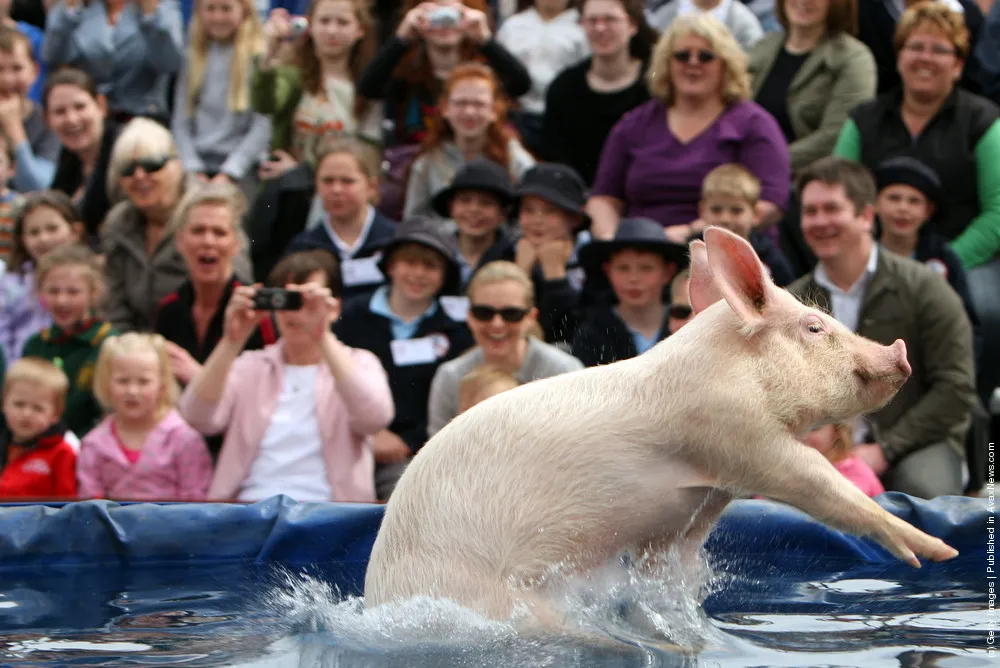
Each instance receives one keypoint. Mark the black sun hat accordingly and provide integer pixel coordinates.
(479, 174)
(559, 184)
(910, 171)
(635, 233)
(429, 233)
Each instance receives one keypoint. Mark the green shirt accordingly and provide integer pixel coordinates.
(75, 352)
(980, 241)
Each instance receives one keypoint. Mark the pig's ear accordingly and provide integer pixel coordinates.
(739, 274)
(701, 289)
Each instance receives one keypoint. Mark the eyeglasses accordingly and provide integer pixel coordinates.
(936, 50)
(680, 311)
(509, 314)
(594, 21)
(702, 56)
(149, 165)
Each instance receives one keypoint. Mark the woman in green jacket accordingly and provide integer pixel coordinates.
(810, 75)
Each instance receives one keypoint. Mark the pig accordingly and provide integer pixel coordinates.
(643, 455)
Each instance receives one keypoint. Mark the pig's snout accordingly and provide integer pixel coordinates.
(899, 348)
(884, 364)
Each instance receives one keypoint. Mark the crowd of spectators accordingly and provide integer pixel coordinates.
(255, 248)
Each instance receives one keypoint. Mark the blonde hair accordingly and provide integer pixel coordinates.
(937, 15)
(500, 271)
(220, 194)
(676, 285)
(140, 138)
(735, 78)
(367, 156)
(247, 43)
(483, 378)
(132, 343)
(71, 255)
(41, 372)
(731, 180)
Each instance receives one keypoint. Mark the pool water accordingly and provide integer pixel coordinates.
(256, 616)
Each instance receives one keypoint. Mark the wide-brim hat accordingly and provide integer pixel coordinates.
(910, 171)
(479, 174)
(559, 184)
(640, 234)
(429, 233)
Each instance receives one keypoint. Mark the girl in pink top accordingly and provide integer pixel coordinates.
(835, 442)
(144, 450)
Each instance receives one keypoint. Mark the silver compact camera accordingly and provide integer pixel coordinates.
(299, 26)
(444, 17)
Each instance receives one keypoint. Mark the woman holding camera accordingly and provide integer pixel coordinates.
(270, 402)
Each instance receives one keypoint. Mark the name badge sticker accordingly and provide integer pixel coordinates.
(457, 308)
(361, 271)
(410, 352)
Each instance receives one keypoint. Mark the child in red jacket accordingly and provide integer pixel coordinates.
(35, 458)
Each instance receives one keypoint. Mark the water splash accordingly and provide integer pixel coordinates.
(646, 608)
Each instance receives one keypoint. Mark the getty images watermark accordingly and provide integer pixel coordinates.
(991, 542)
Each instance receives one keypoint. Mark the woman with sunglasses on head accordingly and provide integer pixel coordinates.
(142, 263)
(700, 117)
(504, 324)
(77, 115)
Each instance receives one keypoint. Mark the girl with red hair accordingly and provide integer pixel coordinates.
(434, 37)
(470, 122)
(409, 71)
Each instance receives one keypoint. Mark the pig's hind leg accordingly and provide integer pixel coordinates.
(802, 477)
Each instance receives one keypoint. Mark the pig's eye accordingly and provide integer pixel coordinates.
(815, 328)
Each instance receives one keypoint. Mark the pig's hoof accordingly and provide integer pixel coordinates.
(944, 552)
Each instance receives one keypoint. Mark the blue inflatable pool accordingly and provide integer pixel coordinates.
(276, 584)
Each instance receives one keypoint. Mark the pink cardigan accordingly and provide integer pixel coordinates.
(349, 412)
(174, 464)
(857, 471)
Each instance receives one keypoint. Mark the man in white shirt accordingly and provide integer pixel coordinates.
(916, 444)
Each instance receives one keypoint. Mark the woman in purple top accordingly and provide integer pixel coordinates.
(700, 117)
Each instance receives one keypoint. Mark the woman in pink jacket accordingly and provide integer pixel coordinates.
(298, 415)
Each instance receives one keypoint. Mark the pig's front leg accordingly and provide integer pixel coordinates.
(802, 477)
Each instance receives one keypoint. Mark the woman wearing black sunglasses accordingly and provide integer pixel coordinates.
(142, 263)
(700, 117)
(503, 320)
